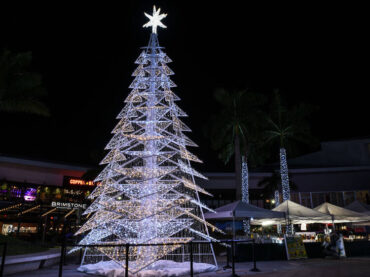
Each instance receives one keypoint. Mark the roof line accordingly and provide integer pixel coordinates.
(46, 164)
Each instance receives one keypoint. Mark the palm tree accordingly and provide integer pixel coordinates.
(287, 128)
(233, 130)
(272, 183)
(270, 189)
(20, 89)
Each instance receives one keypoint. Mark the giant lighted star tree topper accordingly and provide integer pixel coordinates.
(155, 20)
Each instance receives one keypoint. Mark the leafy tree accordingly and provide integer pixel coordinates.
(287, 129)
(272, 183)
(20, 88)
(234, 130)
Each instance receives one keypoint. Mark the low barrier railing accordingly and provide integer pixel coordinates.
(127, 246)
(4, 244)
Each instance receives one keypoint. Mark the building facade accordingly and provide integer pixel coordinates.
(37, 195)
(339, 173)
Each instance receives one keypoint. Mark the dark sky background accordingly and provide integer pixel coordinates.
(86, 54)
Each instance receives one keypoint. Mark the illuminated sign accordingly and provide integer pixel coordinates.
(73, 181)
(67, 205)
(30, 194)
(80, 182)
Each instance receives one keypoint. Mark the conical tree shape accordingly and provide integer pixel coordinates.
(147, 192)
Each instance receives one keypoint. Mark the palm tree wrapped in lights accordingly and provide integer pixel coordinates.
(287, 129)
(235, 131)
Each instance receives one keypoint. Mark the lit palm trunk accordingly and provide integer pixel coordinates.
(245, 191)
(285, 183)
(277, 203)
(284, 174)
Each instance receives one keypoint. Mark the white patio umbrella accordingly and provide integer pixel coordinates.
(341, 215)
(240, 210)
(296, 214)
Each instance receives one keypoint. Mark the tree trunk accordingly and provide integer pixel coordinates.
(245, 180)
(245, 190)
(284, 175)
(238, 183)
(277, 203)
(285, 184)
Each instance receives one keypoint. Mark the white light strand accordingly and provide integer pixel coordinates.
(284, 174)
(245, 192)
(145, 193)
(285, 184)
(277, 203)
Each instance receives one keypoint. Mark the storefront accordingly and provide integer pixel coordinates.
(28, 206)
(37, 197)
(74, 189)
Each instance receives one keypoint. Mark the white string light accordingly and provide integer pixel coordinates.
(145, 193)
(284, 174)
(245, 192)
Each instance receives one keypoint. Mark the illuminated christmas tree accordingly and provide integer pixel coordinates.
(147, 192)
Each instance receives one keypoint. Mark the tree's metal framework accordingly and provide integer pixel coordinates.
(147, 192)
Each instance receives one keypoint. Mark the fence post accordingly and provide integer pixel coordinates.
(80, 257)
(127, 256)
(61, 261)
(3, 259)
(227, 260)
(191, 258)
(233, 258)
(254, 269)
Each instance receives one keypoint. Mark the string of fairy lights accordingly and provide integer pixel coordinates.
(147, 192)
(10, 207)
(245, 192)
(284, 174)
(29, 210)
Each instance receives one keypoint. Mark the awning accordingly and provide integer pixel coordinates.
(341, 215)
(296, 214)
(359, 207)
(242, 210)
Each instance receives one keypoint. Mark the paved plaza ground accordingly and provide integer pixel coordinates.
(352, 267)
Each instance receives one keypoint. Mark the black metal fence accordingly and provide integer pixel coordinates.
(230, 243)
(4, 244)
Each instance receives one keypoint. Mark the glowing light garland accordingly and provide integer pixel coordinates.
(147, 192)
(277, 203)
(285, 184)
(10, 207)
(245, 192)
(29, 210)
(284, 174)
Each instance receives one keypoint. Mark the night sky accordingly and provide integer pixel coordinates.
(315, 54)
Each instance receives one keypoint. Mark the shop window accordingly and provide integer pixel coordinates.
(349, 197)
(16, 192)
(306, 199)
(6, 229)
(295, 197)
(4, 191)
(318, 198)
(363, 196)
(336, 198)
